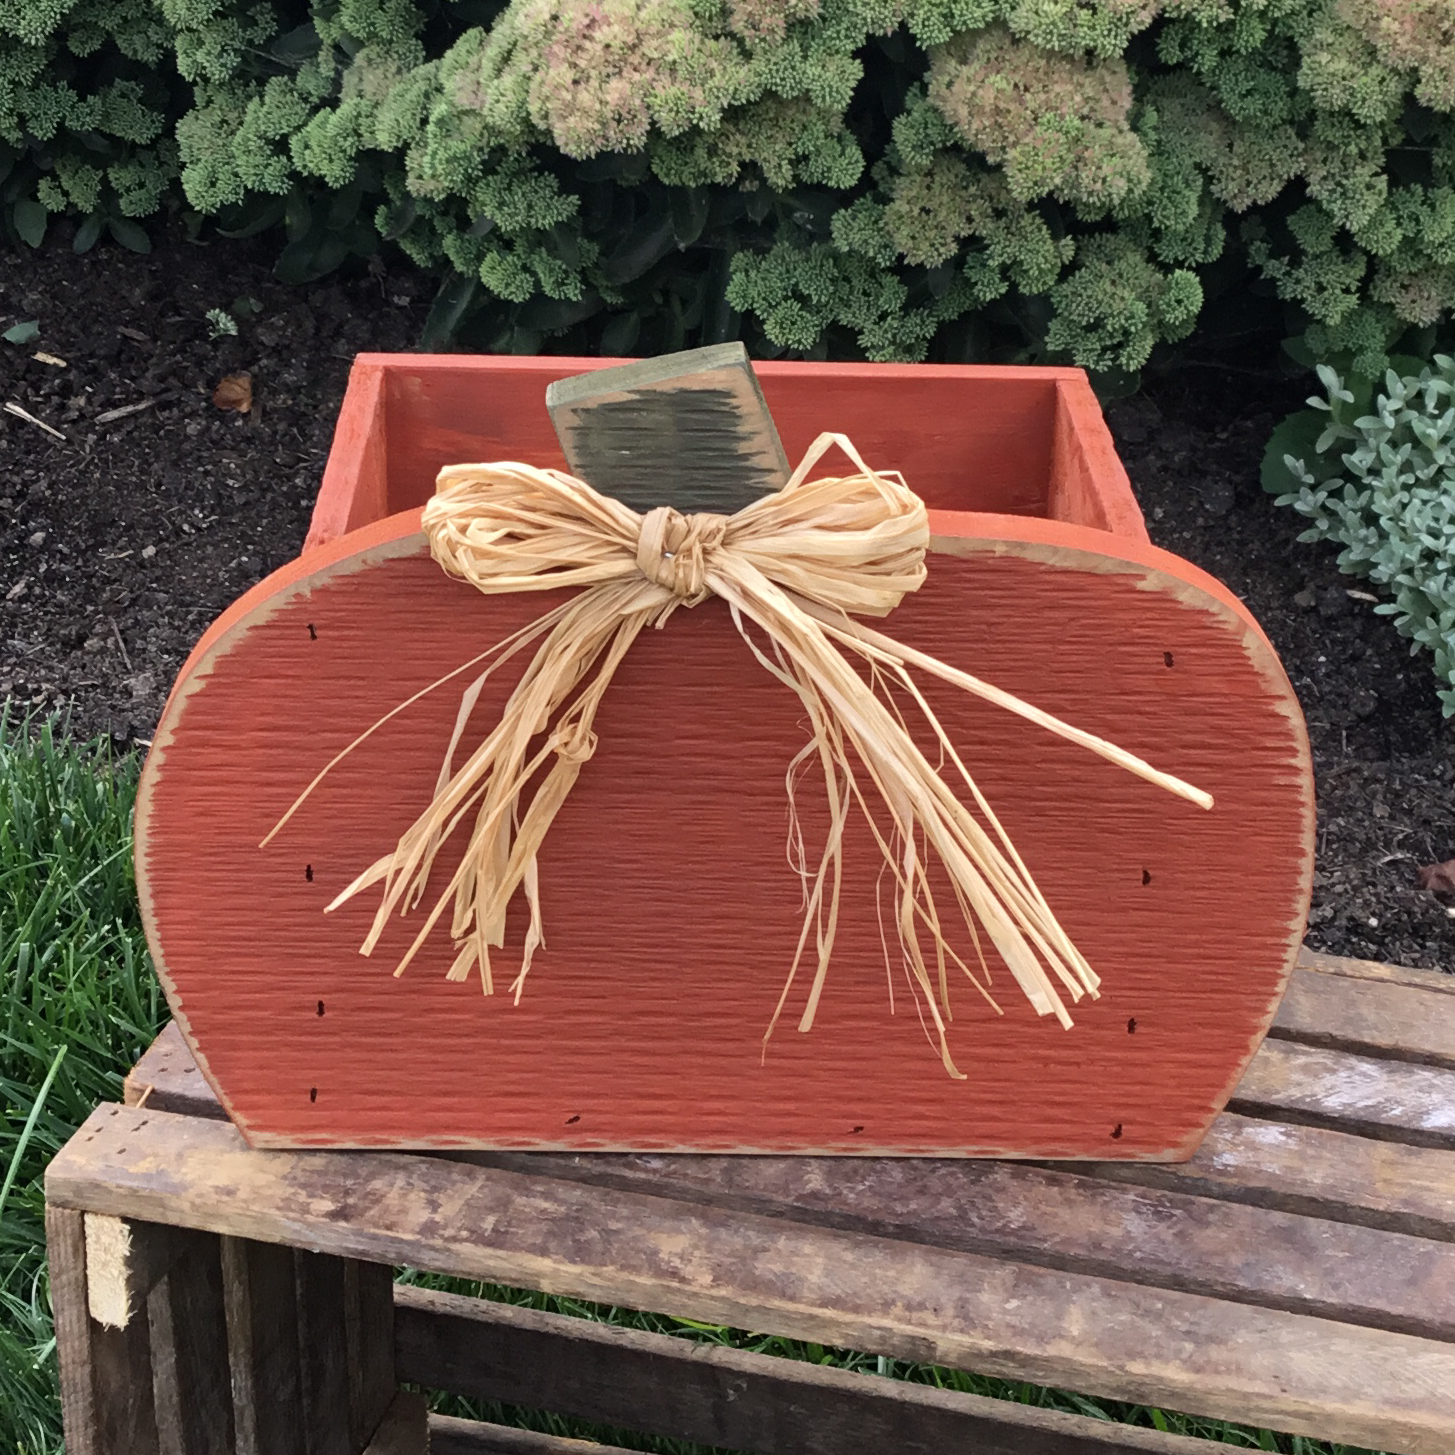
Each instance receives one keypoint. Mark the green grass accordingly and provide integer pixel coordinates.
(79, 1004)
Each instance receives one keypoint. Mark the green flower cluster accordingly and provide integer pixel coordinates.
(888, 177)
(1382, 486)
(83, 92)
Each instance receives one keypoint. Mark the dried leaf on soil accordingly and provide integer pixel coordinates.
(235, 392)
(1438, 878)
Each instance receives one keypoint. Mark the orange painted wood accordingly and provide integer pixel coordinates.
(1018, 441)
(1088, 485)
(671, 915)
(355, 487)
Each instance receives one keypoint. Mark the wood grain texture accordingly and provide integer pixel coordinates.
(107, 1405)
(121, 1371)
(323, 1352)
(1391, 1100)
(404, 1430)
(369, 1329)
(967, 437)
(450, 1436)
(356, 478)
(262, 1341)
(124, 1262)
(1340, 1176)
(301, 1037)
(1378, 1018)
(1440, 981)
(191, 1375)
(166, 1078)
(1335, 1175)
(1057, 1219)
(689, 430)
(723, 1397)
(65, 1236)
(1088, 484)
(1106, 1337)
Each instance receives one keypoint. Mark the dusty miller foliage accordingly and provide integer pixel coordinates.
(888, 177)
(1382, 486)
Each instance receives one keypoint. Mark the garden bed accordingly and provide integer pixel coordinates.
(120, 542)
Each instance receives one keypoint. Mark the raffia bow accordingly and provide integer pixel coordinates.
(799, 565)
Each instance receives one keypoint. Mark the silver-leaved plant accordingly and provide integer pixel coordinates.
(1392, 506)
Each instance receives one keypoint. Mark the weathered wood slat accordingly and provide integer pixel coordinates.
(262, 1340)
(167, 1079)
(1303, 1169)
(124, 1262)
(723, 1397)
(121, 1368)
(404, 1430)
(323, 1352)
(1203, 1355)
(65, 1236)
(1379, 1018)
(369, 1330)
(1388, 1100)
(191, 1375)
(1284, 1165)
(448, 1436)
(1441, 981)
(1059, 1219)
(106, 1379)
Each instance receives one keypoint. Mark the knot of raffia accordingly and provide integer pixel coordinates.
(674, 549)
(799, 566)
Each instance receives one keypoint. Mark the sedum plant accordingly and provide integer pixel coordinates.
(1017, 179)
(1381, 485)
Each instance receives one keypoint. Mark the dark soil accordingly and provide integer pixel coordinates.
(120, 543)
(1384, 757)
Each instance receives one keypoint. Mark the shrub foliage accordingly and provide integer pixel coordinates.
(1375, 474)
(894, 178)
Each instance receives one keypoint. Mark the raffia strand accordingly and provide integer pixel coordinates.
(796, 569)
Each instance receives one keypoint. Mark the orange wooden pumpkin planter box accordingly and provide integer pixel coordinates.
(671, 912)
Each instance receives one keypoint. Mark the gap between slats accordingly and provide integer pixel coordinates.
(719, 1396)
(1050, 1217)
(1372, 1097)
(1389, 1017)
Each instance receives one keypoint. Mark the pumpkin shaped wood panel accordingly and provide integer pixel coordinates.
(671, 912)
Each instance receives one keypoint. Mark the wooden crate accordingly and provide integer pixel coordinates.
(1297, 1273)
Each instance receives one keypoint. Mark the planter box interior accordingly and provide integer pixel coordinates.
(1025, 442)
